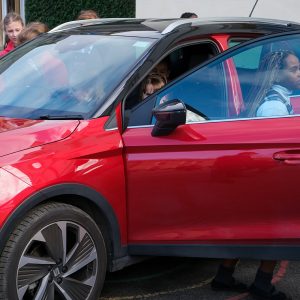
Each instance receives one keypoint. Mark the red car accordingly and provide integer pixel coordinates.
(93, 176)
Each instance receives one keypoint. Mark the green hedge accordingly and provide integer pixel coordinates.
(55, 12)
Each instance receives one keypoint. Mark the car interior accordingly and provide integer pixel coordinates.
(179, 61)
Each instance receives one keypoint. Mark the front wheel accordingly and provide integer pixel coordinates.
(57, 252)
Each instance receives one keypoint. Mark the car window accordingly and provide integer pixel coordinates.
(203, 92)
(259, 69)
(61, 75)
(173, 65)
(259, 79)
(249, 59)
(236, 41)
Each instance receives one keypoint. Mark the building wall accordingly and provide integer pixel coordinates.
(274, 9)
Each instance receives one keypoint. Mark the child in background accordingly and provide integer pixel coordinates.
(31, 31)
(87, 14)
(189, 15)
(13, 25)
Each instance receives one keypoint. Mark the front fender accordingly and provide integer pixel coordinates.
(60, 190)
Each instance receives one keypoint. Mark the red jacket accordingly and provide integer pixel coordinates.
(10, 46)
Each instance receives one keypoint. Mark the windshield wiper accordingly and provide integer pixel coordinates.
(61, 117)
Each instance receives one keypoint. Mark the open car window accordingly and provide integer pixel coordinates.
(175, 64)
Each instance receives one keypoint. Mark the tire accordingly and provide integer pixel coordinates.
(56, 252)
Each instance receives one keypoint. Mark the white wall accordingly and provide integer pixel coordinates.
(275, 9)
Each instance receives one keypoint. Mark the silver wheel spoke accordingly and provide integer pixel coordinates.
(74, 289)
(90, 281)
(22, 291)
(31, 260)
(65, 294)
(82, 263)
(63, 228)
(31, 273)
(55, 241)
(42, 290)
(71, 252)
(84, 248)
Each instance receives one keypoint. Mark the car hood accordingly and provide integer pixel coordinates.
(20, 134)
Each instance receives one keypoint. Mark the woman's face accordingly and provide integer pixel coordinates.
(13, 29)
(289, 76)
(149, 90)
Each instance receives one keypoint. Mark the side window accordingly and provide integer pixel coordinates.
(247, 64)
(269, 77)
(238, 40)
(256, 80)
(204, 93)
(185, 58)
(164, 73)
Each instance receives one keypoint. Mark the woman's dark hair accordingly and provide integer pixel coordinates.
(188, 15)
(267, 75)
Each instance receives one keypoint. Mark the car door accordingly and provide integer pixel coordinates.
(224, 176)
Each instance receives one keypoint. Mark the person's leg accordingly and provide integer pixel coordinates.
(262, 285)
(224, 279)
(230, 263)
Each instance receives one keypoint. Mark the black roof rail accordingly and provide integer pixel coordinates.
(200, 21)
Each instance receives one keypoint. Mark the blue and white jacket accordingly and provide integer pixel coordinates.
(276, 103)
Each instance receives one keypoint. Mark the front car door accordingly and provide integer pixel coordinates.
(223, 179)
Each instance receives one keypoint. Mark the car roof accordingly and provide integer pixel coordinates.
(161, 27)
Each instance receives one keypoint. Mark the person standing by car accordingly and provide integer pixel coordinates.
(13, 25)
(31, 31)
(87, 14)
(261, 287)
(189, 15)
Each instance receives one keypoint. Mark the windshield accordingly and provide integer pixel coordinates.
(65, 76)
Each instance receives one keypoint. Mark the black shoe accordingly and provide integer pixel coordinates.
(234, 285)
(271, 293)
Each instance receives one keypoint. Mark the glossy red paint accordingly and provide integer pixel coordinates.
(31, 133)
(222, 40)
(90, 156)
(210, 183)
(90, 190)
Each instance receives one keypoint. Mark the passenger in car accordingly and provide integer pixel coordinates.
(151, 84)
(163, 69)
(278, 76)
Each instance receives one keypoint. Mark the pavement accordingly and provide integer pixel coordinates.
(173, 278)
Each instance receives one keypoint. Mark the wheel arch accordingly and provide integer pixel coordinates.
(81, 196)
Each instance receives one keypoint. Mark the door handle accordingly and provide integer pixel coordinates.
(288, 158)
